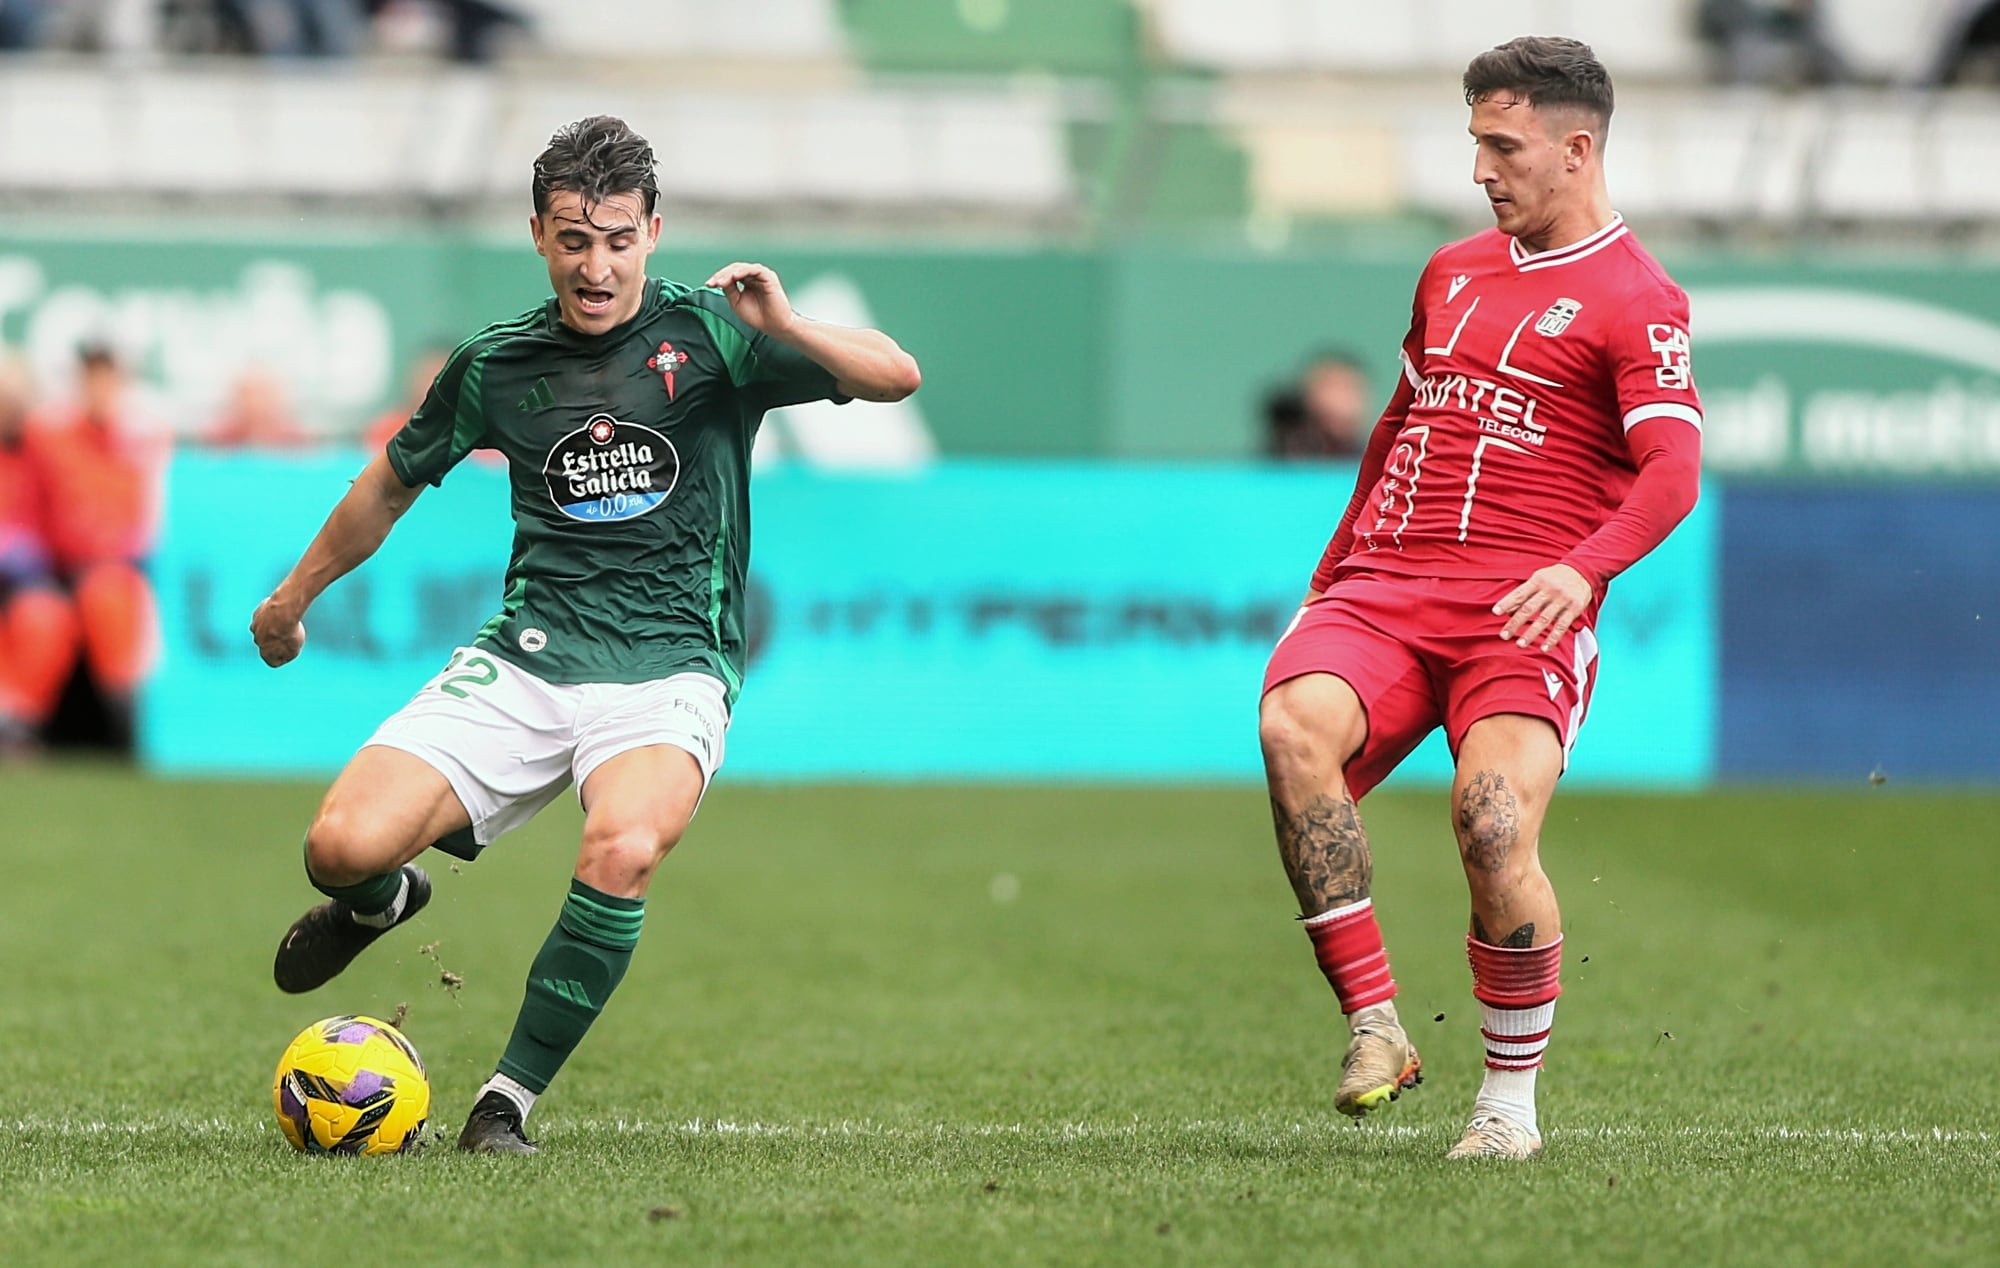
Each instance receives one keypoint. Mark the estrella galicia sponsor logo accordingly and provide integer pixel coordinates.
(607, 470)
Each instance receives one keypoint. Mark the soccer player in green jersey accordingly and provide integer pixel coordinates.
(625, 406)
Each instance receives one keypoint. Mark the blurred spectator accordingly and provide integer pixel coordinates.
(258, 416)
(126, 27)
(301, 28)
(423, 371)
(1970, 52)
(37, 621)
(100, 467)
(21, 24)
(464, 30)
(1324, 415)
(1783, 43)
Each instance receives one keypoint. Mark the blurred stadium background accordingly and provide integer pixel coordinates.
(1025, 1023)
(1112, 230)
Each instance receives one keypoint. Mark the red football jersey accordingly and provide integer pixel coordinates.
(1534, 389)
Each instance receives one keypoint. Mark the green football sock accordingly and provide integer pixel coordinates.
(572, 976)
(371, 897)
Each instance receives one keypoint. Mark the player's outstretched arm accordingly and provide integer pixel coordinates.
(866, 364)
(353, 531)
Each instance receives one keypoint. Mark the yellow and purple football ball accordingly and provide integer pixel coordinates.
(351, 1085)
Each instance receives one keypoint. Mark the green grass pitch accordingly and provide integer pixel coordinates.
(999, 1026)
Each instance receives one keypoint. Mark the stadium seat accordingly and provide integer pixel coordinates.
(1363, 35)
(689, 29)
(723, 149)
(886, 147)
(1004, 150)
(190, 134)
(1458, 30)
(1711, 161)
(1636, 162)
(1437, 158)
(1875, 163)
(1780, 155)
(84, 154)
(1888, 39)
(1243, 35)
(1965, 134)
(315, 134)
(455, 130)
(1635, 41)
(853, 147)
(1304, 167)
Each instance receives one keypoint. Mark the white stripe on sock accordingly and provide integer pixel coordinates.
(1510, 1094)
(523, 1099)
(1340, 913)
(385, 918)
(1517, 1021)
(1512, 1064)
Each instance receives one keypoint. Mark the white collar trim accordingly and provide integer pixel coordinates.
(1525, 261)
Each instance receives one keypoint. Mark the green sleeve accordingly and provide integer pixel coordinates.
(450, 423)
(770, 373)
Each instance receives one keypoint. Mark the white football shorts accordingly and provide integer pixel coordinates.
(509, 743)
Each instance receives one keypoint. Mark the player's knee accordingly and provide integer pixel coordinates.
(1487, 844)
(1497, 857)
(621, 859)
(1297, 738)
(341, 848)
(1496, 837)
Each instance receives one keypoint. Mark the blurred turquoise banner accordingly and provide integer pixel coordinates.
(980, 620)
(1810, 367)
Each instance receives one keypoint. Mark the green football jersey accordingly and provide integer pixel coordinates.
(629, 458)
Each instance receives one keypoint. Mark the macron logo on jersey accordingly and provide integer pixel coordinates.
(1555, 683)
(1457, 285)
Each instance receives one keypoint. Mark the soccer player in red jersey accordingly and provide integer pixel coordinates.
(1545, 435)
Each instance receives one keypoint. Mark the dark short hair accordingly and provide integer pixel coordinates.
(596, 158)
(1546, 71)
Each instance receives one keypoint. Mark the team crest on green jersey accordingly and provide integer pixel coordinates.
(666, 361)
(608, 470)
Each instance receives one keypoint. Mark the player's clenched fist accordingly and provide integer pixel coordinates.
(279, 633)
(1547, 602)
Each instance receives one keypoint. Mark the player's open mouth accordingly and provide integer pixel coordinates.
(593, 302)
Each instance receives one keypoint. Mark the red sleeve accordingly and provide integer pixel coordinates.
(1381, 441)
(1653, 378)
(1668, 452)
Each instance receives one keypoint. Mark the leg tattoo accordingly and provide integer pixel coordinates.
(1488, 818)
(1521, 938)
(1325, 852)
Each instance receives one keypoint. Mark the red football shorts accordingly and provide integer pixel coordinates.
(1425, 651)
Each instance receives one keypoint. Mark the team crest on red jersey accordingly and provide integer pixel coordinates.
(666, 361)
(1558, 317)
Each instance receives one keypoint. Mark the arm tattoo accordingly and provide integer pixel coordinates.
(1520, 939)
(1325, 852)
(1487, 820)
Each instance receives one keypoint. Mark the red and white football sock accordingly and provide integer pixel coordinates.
(1348, 943)
(1516, 988)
